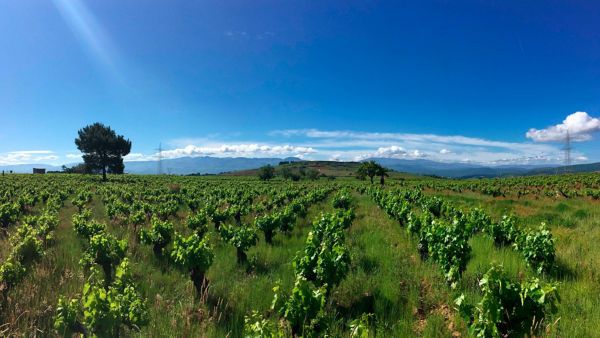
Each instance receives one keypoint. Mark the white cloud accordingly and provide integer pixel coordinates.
(417, 154)
(358, 145)
(541, 158)
(398, 152)
(390, 152)
(27, 157)
(339, 145)
(234, 34)
(31, 152)
(47, 158)
(579, 125)
(581, 158)
(356, 158)
(355, 138)
(264, 35)
(241, 150)
(335, 157)
(393, 151)
(136, 157)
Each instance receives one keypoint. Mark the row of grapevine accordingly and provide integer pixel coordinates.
(555, 186)
(322, 265)
(9, 213)
(110, 299)
(508, 308)
(243, 236)
(29, 243)
(439, 219)
(444, 241)
(535, 245)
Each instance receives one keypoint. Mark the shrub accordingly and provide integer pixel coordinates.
(159, 235)
(194, 255)
(199, 222)
(241, 237)
(508, 308)
(537, 247)
(504, 232)
(106, 251)
(105, 309)
(304, 309)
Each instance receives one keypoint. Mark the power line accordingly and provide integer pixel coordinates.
(567, 148)
(159, 159)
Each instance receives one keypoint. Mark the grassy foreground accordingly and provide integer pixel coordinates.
(406, 295)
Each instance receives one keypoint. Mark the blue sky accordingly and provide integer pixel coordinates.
(448, 81)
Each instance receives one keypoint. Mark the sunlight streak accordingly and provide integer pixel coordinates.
(90, 34)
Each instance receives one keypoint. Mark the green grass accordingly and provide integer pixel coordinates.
(408, 296)
(29, 308)
(388, 278)
(576, 225)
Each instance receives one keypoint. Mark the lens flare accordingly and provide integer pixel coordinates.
(89, 33)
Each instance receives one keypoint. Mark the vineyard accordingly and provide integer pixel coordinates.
(219, 256)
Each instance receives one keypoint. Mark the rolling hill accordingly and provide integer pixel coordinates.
(248, 166)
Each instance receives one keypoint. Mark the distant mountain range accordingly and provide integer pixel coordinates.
(27, 168)
(578, 168)
(468, 170)
(217, 165)
(202, 165)
(454, 170)
(176, 166)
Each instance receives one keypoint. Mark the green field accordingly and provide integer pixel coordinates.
(387, 289)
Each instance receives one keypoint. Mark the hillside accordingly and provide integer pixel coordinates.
(201, 165)
(326, 168)
(453, 170)
(243, 166)
(578, 168)
(175, 166)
